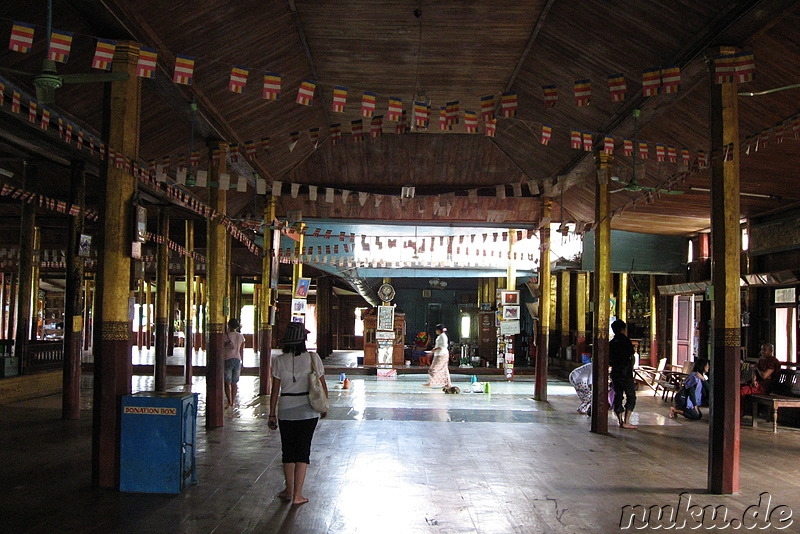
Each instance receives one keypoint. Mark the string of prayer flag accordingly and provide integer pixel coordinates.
(617, 87)
(583, 92)
(368, 104)
(146, 65)
(421, 114)
(745, 67)
(103, 54)
(184, 70)
(238, 79)
(305, 94)
(651, 82)
(21, 37)
(395, 109)
(339, 98)
(487, 107)
(272, 86)
(471, 121)
(547, 134)
(575, 139)
(671, 80)
(491, 128)
(376, 126)
(508, 104)
(550, 95)
(60, 46)
(608, 145)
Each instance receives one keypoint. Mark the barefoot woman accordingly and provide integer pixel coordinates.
(439, 374)
(297, 418)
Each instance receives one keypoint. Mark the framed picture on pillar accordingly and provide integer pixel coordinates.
(509, 298)
(510, 313)
(301, 291)
(298, 306)
(85, 246)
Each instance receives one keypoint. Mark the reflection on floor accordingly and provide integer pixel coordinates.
(394, 456)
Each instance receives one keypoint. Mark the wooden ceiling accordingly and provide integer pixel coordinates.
(452, 51)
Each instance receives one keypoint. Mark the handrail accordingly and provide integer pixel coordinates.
(42, 356)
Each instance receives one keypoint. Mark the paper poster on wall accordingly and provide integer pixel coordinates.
(509, 328)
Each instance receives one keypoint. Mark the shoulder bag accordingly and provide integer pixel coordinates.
(316, 394)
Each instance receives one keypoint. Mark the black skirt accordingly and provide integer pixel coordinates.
(296, 440)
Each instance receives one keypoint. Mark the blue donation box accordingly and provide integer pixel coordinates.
(158, 435)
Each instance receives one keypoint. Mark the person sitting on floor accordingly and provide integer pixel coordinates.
(764, 374)
(690, 397)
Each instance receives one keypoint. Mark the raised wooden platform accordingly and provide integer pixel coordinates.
(19, 388)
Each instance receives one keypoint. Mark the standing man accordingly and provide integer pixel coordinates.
(620, 356)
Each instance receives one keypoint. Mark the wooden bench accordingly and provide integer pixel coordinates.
(786, 395)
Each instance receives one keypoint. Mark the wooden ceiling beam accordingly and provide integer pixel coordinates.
(730, 21)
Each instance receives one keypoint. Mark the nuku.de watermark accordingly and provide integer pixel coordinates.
(693, 516)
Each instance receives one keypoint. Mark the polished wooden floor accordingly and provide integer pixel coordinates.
(394, 456)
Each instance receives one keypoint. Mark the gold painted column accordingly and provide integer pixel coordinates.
(653, 322)
(216, 272)
(723, 444)
(622, 297)
(564, 296)
(601, 295)
(35, 274)
(188, 315)
(267, 299)
(162, 302)
(74, 299)
(580, 315)
(297, 268)
(543, 334)
(112, 344)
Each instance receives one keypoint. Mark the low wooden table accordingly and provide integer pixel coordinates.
(775, 402)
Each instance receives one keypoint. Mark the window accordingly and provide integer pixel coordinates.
(466, 322)
(247, 317)
(359, 326)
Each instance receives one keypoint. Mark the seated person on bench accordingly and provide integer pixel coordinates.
(765, 373)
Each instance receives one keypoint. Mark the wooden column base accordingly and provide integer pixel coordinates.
(188, 345)
(71, 394)
(540, 383)
(112, 380)
(265, 355)
(215, 376)
(724, 424)
(162, 330)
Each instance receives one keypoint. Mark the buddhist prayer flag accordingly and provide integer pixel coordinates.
(336, 133)
(234, 153)
(583, 92)
(608, 145)
(617, 86)
(68, 133)
(146, 66)
(21, 37)
(357, 130)
(272, 86)
(376, 127)
(587, 141)
(250, 149)
(265, 144)
(651, 82)
(368, 104)
(575, 139)
(685, 157)
(508, 104)
(184, 70)
(627, 147)
(32, 111)
(725, 68)
(103, 54)
(313, 133)
(238, 79)
(395, 109)
(45, 119)
(60, 45)
(402, 125)
(550, 95)
(491, 127)
(643, 151)
(672, 155)
(671, 80)
(339, 98)
(702, 159)
(547, 134)
(15, 102)
(194, 158)
(305, 95)
(471, 121)
(452, 113)
(421, 114)
(745, 67)
(487, 107)
(443, 125)
(660, 152)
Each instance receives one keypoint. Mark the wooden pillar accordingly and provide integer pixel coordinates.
(74, 299)
(12, 305)
(35, 273)
(580, 315)
(188, 328)
(216, 271)
(140, 337)
(297, 268)
(601, 295)
(622, 297)
(723, 457)
(267, 301)
(112, 347)
(543, 342)
(564, 296)
(148, 311)
(88, 311)
(171, 316)
(653, 321)
(324, 313)
(202, 311)
(162, 302)
(25, 272)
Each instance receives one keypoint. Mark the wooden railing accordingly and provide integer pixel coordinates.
(43, 356)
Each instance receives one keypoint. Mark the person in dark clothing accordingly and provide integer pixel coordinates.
(620, 356)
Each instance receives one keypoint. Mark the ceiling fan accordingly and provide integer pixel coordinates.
(634, 185)
(48, 80)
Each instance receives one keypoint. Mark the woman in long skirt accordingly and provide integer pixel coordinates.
(438, 373)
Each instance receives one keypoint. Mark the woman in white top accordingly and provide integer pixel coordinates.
(289, 399)
(438, 373)
(234, 353)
